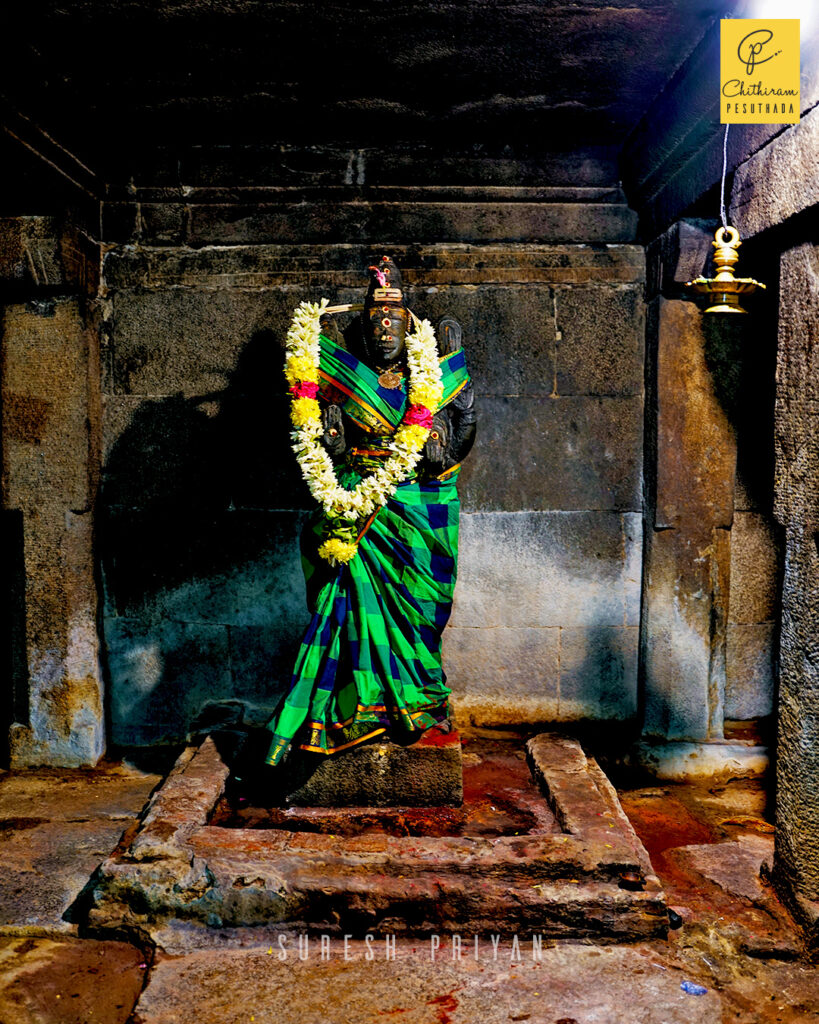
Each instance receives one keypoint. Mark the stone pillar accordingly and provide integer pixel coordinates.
(687, 539)
(690, 470)
(796, 507)
(50, 438)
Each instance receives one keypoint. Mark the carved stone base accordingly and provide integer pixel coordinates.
(428, 773)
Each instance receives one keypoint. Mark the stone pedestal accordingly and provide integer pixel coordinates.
(428, 773)
(180, 872)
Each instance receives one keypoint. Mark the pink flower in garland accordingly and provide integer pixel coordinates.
(420, 415)
(304, 389)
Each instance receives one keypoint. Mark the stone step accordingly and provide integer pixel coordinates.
(362, 221)
(208, 194)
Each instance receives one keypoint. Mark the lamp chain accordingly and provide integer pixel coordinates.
(724, 171)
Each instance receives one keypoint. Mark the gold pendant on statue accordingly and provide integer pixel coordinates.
(390, 379)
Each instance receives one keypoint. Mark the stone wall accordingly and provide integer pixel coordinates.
(51, 385)
(748, 374)
(201, 503)
(774, 203)
(797, 510)
(196, 532)
(671, 166)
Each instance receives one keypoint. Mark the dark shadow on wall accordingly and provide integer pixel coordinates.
(183, 465)
(201, 504)
(598, 682)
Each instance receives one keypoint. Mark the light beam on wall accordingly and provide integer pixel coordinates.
(805, 10)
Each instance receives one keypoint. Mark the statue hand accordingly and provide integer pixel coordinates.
(448, 334)
(329, 328)
(333, 438)
(435, 448)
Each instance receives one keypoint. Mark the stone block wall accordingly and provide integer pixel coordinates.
(202, 504)
(773, 203)
(196, 530)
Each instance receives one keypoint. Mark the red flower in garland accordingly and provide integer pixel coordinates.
(420, 415)
(304, 389)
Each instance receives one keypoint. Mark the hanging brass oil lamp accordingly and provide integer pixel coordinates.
(724, 290)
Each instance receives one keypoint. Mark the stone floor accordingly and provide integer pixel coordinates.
(707, 845)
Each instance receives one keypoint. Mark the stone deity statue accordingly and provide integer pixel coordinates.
(384, 416)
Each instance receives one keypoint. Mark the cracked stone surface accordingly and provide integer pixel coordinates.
(706, 842)
(56, 826)
(718, 883)
(734, 867)
(43, 981)
(571, 983)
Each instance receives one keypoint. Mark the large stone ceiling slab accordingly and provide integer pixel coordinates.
(107, 79)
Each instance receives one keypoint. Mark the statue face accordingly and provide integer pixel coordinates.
(385, 331)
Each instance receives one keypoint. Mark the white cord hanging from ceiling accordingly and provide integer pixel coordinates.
(724, 171)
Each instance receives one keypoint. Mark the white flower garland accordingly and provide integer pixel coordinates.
(424, 397)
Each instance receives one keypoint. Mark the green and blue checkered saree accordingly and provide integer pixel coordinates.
(371, 657)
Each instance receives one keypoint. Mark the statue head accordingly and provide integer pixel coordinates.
(385, 316)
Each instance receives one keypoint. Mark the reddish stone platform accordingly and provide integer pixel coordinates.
(591, 879)
(500, 798)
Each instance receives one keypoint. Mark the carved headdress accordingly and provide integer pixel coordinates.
(385, 284)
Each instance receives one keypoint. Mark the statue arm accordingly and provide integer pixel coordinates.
(454, 425)
(462, 424)
(333, 438)
(329, 328)
(448, 335)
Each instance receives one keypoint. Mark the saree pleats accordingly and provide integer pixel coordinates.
(371, 657)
